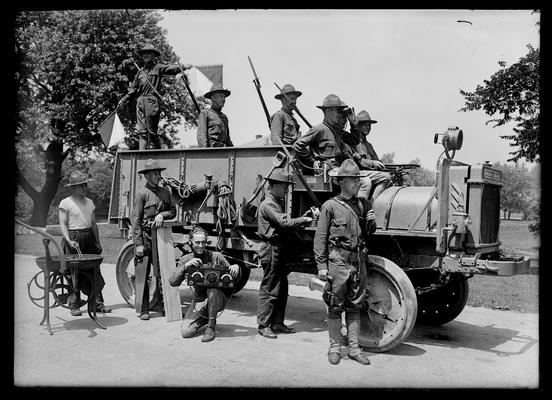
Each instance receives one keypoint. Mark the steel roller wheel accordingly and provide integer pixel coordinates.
(392, 306)
(125, 274)
(444, 304)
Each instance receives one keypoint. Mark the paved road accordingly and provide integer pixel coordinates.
(481, 348)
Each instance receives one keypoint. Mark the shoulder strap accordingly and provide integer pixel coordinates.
(348, 207)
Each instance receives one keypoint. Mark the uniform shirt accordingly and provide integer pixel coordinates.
(338, 226)
(140, 85)
(149, 202)
(208, 258)
(272, 220)
(79, 215)
(212, 129)
(322, 142)
(284, 126)
(367, 152)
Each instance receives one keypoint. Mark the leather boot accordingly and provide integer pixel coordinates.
(353, 329)
(334, 331)
(209, 333)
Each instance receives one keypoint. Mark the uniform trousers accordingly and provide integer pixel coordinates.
(204, 308)
(273, 292)
(373, 179)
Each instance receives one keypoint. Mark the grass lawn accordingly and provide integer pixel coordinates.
(516, 293)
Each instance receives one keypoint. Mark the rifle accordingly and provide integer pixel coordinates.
(294, 107)
(187, 84)
(257, 84)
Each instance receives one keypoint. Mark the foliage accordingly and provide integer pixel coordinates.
(76, 65)
(514, 94)
(388, 158)
(518, 192)
(421, 176)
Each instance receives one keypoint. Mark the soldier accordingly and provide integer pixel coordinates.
(328, 142)
(77, 222)
(206, 302)
(212, 123)
(274, 228)
(283, 125)
(145, 87)
(153, 205)
(344, 224)
(367, 159)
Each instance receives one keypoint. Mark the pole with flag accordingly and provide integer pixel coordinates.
(111, 130)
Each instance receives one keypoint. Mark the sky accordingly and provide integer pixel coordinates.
(405, 67)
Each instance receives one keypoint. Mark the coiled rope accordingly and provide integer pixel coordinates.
(226, 213)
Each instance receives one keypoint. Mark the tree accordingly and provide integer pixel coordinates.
(421, 176)
(514, 94)
(388, 158)
(516, 193)
(72, 68)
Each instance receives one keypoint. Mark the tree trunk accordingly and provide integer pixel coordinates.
(509, 213)
(42, 199)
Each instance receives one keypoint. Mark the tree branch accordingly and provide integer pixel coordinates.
(27, 188)
(36, 81)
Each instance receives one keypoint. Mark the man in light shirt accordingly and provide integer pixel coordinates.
(78, 226)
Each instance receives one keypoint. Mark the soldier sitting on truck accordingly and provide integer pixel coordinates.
(206, 302)
(328, 142)
(367, 159)
(212, 123)
(344, 224)
(153, 205)
(283, 125)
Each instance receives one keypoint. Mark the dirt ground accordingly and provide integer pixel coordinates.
(482, 348)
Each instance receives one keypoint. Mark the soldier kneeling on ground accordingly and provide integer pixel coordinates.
(206, 302)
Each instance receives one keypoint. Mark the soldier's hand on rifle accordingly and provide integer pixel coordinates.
(306, 220)
(370, 215)
(194, 262)
(323, 274)
(139, 251)
(158, 221)
(376, 164)
(234, 270)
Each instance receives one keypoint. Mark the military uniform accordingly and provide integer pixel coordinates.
(322, 142)
(284, 126)
(212, 129)
(374, 177)
(147, 103)
(206, 302)
(338, 247)
(149, 202)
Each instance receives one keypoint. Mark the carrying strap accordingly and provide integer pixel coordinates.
(349, 208)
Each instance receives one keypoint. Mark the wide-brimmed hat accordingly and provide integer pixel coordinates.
(363, 116)
(149, 47)
(151, 165)
(332, 101)
(78, 178)
(348, 168)
(287, 89)
(217, 87)
(280, 175)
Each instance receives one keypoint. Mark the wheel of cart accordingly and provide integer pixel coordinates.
(391, 306)
(444, 304)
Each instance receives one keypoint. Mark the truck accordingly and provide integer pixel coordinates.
(428, 243)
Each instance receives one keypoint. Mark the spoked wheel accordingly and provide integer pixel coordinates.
(444, 304)
(35, 290)
(125, 274)
(392, 306)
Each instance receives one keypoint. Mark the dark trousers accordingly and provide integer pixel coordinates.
(204, 308)
(87, 244)
(157, 299)
(273, 292)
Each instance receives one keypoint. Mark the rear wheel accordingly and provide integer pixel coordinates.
(392, 306)
(237, 258)
(444, 304)
(125, 274)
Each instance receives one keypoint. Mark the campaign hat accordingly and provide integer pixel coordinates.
(280, 175)
(217, 87)
(363, 116)
(348, 168)
(151, 165)
(78, 178)
(332, 101)
(150, 47)
(287, 89)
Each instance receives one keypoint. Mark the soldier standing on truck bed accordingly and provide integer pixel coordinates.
(328, 142)
(367, 159)
(212, 123)
(283, 125)
(152, 205)
(146, 88)
(206, 302)
(274, 228)
(344, 224)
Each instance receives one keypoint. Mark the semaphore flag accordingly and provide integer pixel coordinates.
(112, 130)
(202, 77)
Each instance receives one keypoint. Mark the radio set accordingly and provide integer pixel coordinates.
(209, 277)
